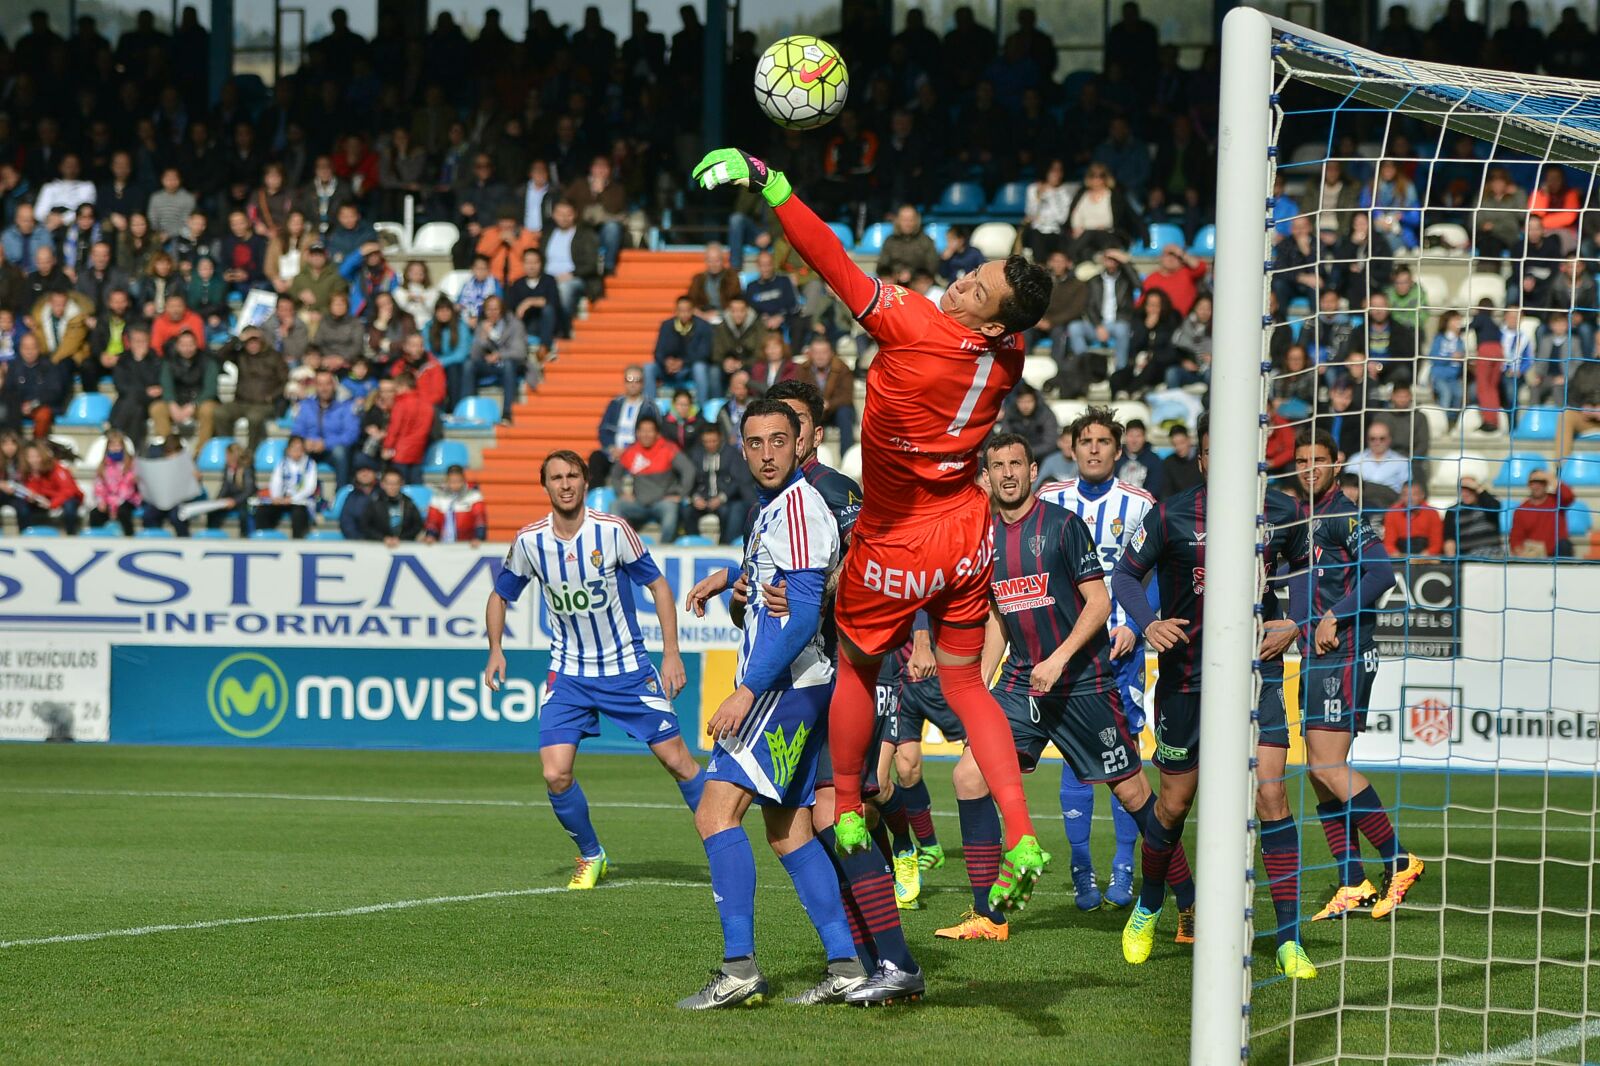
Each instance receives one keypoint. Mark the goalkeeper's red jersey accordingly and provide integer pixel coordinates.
(933, 393)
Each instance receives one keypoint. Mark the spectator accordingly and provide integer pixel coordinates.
(295, 490)
(1395, 208)
(262, 375)
(99, 278)
(1539, 524)
(907, 249)
(1125, 156)
(1409, 430)
(651, 477)
(721, 486)
(731, 417)
(244, 255)
(189, 388)
(1379, 464)
(370, 276)
(23, 238)
(108, 338)
(959, 257)
(681, 425)
(318, 281)
(1471, 528)
(572, 256)
(176, 318)
(503, 246)
(1581, 411)
(1410, 527)
(1516, 352)
(387, 328)
(1555, 204)
(1150, 341)
(774, 297)
(535, 197)
(456, 513)
(430, 375)
(1192, 346)
(1181, 469)
(479, 195)
(324, 195)
(1405, 301)
(48, 275)
(1361, 261)
(13, 473)
(1182, 177)
(450, 341)
(1447, 360)
(66, 192)
(1554, 348)
(737, 339)
(713, 288)
(389, 514)
(155, 517)
(616, 425)
(63, 332)
(411, 423)
(137, 376)
(500, 347)
(776, 364)
(271, 205)
(1381, 338)
(237, 490)
(1132, 41)
(1501, 210)
(339, 335)
(1139, 465)
(1046, 212)
(476, 290)
(683, 352)
(1295, 265)
(285, 333)
(348, 238)
(170, 206)
(13, 287)
(53, 494)
(1178, 276)
(601, 202)
(1107, 322)
(415, 294)
(375, 420)
(329, 426)
(1026, 415)
(38, 386)
(193, 243)
(833, 379)
(536, 301)
(1060, 464)
(208, 295)
(116, 489)
(363, 485)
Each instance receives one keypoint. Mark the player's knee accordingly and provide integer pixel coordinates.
(968, 779)
(1272, 802)
(1173, 809)
(908, 765)
(557, 779)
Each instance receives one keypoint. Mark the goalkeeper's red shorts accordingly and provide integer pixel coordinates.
(892, 571)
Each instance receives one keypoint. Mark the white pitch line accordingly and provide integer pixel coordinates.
(426, 801)
(1534, 1049)
(347, 912)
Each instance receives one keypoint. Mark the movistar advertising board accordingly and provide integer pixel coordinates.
(339, 698)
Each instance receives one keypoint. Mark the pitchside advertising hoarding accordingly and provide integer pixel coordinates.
(354, 645)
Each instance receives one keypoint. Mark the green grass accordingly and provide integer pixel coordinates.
(583, 977)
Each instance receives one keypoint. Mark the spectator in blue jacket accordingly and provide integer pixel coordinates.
(959, 256)
(356, 501)
(773, 297)
(616, 425)
(450, 340)
(329, 426)
(683, 355)
(346, 238)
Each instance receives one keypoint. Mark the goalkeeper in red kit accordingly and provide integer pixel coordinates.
(924, 538)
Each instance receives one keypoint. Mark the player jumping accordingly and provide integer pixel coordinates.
(1058, 684)
(923, 538)
(1113, 510)
(768, 731)
(598, 660)
(1342, 570)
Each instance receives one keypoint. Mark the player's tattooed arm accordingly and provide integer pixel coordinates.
(673, 675)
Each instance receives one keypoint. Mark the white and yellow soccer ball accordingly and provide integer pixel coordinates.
(801, 82)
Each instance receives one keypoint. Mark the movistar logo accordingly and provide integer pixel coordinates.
(786, 756)
(247, 695)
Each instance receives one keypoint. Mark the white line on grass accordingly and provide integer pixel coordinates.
(1531, 1049)
(444, 801)
(347, 912)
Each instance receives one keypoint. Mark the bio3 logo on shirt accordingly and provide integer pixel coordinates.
(577, 597)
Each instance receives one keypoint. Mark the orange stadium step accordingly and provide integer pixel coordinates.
(565, 411)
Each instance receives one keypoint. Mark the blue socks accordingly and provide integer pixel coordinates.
(733, 886)
(1077, 814)
(1127, 827)
(692, 788)
(572, 811)
(818, 888)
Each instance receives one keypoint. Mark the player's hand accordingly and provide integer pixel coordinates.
(741, 590)
(1045, 675)
(922, 665)
(1276, 636)
(711, 585)
(731, 714)
(1165, 634)
(731, 166)
(1122, 641)
(1327, 635)
(673, 677)
(495, 673)
(776, 599)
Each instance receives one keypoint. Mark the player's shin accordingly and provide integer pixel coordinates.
(872, 884)
(1077, 815)
(1280, 854)
(1372, 821)
(733, 887)
(1181, 878)
(991, 742)
(919, 812)
(893, 812)
(1127, 830)
(571, 808)
(852, 716)
(1342, 842)
(1156, 859)
(814, 882)
(980, 845)
(866, 951)
(692, 788)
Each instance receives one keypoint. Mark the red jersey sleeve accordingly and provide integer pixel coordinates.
(819, 246)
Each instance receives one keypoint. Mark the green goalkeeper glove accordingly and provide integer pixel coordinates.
(730, 166)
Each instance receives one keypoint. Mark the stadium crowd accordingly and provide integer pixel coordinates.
(169, 249)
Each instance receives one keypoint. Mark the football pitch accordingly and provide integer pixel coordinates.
(211, 905)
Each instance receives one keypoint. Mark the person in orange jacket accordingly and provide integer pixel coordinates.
(410, 429)
(503, 247)
(1411, 527)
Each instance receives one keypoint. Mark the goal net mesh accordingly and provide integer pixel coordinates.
(1429, 301)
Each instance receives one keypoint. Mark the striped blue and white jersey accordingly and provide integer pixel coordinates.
(594, 632)
(795, 531)
(1113, 510)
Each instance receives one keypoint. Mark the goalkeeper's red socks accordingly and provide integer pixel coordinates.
(852, 717)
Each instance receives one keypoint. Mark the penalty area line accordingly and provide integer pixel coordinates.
(1534, 1049)
(344, 912)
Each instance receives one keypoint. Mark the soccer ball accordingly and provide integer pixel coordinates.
(801, 82)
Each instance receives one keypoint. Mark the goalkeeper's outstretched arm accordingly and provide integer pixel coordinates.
(810, 236)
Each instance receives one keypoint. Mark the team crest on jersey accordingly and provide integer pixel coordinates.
(1198, 579)
(1116, 527)
(1037, 545)
(650, 685)
(1108, 736)
(595, 558)
(1330, 685)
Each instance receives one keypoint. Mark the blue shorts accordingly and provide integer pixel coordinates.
(922, 702)
(774, 754)
(1130, 682)
(634, 701)
(1335, 692)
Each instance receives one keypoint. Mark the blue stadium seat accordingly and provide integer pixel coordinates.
(211, 534)
(694, 540)
(712, 408)
(1581, 471)
(324, 534)
(421, 495)
(1205, 242)
(872, 240)
(1517, 467)
(1163, 234)
(1536, 423)
(960, 198)
(87, 409)
(214, 456)
(269, 453)
(269, 534)
(107, 530)
(479, 412)
(444, 454)
(338, 502)
(846, 235)
(936, 233)
(602, 499)
(41, 531)
(1009, 201)
(746, 277)
(163, 533)
(1579, 519)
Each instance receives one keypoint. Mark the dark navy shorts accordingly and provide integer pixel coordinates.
(922, 702)
(1177, 731)
(1091, 732)
(1335, 692)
